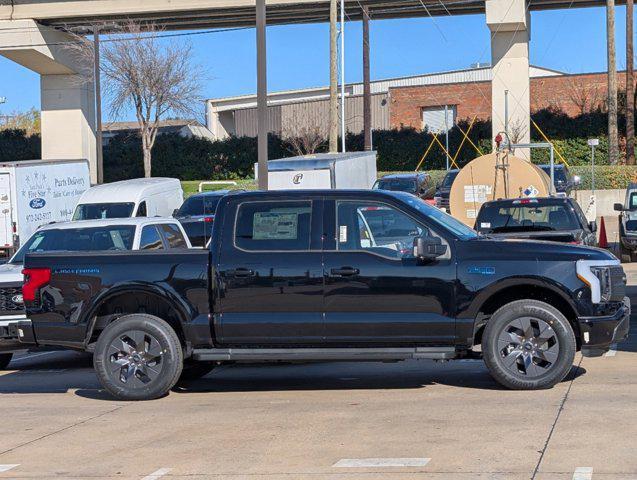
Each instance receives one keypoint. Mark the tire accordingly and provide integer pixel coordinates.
(625, 255)
(138, 357)
(195, 370)
(5, 360)
(528, 345)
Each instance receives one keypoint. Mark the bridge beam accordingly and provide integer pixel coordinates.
(509, 22)
(67, 94)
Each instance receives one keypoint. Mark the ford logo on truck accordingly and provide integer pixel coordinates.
(37, 203)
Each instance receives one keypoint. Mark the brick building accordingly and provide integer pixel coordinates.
(435, 101)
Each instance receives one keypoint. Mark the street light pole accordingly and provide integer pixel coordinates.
(98, 103)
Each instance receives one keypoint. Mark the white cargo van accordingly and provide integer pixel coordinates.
(139, 197)
(37, 192)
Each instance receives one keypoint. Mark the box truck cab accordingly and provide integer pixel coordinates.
(37, 192)
(140, 197)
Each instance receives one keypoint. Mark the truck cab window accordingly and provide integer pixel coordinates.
(150, 239)
(141, 210)
(273, 226)
(173, 236)
(376, 228)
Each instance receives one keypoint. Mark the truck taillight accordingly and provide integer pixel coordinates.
(34, 279)
(209, 219)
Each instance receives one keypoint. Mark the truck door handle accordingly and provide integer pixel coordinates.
(240, 272)
(345, 271)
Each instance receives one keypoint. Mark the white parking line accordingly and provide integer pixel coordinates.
(381, 462)
(158, 474)
(7, 467)
(612, 351)
(583, 473)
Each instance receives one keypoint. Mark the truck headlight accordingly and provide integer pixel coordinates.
(597, 275)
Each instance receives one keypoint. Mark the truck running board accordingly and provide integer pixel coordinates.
(274, 354)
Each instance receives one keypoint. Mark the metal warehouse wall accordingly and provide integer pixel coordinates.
(292, 119)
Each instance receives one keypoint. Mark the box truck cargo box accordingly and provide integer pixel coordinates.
(324, 170)
(37, 192)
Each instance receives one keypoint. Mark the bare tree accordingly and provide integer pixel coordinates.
(306, 141)
(154, 78)
(585, 96)
(517, 129)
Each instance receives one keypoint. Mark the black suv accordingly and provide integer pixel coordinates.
(554, 218)
(441, 197)
(417, 183)
(563, 181)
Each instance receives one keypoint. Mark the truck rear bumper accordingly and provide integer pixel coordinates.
(599, 333)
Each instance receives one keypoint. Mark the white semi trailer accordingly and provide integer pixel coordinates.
(37, 192)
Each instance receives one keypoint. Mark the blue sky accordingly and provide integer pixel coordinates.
(569, 40)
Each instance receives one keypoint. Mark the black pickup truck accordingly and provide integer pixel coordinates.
(328, 275)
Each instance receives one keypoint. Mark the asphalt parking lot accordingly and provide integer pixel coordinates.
(407, 420)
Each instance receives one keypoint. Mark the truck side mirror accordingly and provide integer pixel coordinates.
(618, 207)
(592, 225)
(175, 212)
(428, 248)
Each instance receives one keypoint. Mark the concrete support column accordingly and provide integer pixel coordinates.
(67, 91)
(510, 28)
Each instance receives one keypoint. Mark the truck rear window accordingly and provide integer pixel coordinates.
(117, 237)
(99, 211)
(496, 218)
(273, 226)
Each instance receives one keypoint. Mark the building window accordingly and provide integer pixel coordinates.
(435, 121)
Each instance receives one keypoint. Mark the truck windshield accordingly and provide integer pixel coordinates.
(396, 184)
(449, 178)
(199, 205)
(116, 237)
(444, 220)
(538, 216)
(100, 211)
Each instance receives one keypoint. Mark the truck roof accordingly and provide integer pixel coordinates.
(529, 201)
(127, 190)
(134, 221)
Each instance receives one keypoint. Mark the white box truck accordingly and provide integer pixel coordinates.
(322, 171)
(37, 192)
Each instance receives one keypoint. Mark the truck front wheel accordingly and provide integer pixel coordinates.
(528, 345)
(138, 357)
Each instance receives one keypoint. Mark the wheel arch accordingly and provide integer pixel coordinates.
(522, 289)
(126, 299)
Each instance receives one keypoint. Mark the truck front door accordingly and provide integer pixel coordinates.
(376, 291)
(270, 275)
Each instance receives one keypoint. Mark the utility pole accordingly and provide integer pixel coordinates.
(367, 93)
(262, 99)
(333, 130)
(342, 31)
(613, 145)
(630, 87)
(98, 103)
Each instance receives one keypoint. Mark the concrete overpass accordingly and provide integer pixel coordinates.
(32, 31)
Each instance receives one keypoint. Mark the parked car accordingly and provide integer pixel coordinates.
(37, 192)
(197, 214)
(314, 276)
(443, 189)
(140, 197)
(417, 183)
(82, 236)
(628, 225)
(558, 219)
(563, 181)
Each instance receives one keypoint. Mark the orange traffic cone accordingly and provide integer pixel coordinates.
(603, 241)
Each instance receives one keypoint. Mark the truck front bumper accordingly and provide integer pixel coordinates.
(10, 337)
(599, 333)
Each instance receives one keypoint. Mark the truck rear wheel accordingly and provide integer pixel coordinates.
(528, 345)
(5, 360)
(138, 357)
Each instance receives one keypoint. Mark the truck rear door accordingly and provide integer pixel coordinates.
(270, 273)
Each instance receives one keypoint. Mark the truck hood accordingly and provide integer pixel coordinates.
(543, 250)
(11, 273)
(554, 236)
